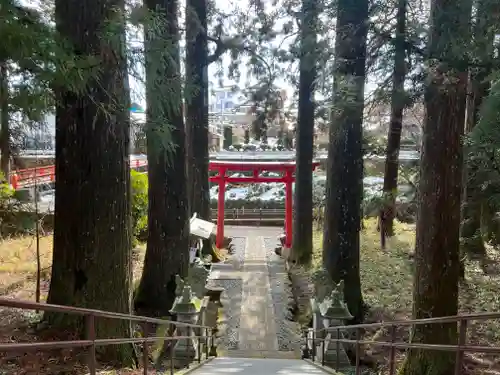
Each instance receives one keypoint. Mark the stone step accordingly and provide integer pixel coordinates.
(274, 354)
(225, 275)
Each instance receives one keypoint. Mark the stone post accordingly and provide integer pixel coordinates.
(186, 311)
(214, 304)
(315, 334)
(213, 293)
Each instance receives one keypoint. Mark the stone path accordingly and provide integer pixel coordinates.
(255, 316)
(257, 327)
(246, 366)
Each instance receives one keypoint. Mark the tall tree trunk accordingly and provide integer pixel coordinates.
(197, 123)
(470, 228)
(92, 230)
(394, 137)
(470, 231)
(345, 155)
(437, 264)
(303, 218)
(5, 142)
(197, 106)
(167, 251)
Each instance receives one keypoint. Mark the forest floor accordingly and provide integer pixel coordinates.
(387, 286)
(18, 274)
(386, 277)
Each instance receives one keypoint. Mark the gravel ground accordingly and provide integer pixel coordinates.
(230, 320)
(232, 295)
(282, 297)
(303, 290)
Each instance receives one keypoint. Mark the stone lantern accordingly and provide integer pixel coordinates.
(334, 309)
(335, 313)
(198, 276)
(186, 311)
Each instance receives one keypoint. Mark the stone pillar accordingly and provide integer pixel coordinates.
(186, 311)
(335, 354)
(214, 304)
(247, 137)
(317, 319)
(228, 137)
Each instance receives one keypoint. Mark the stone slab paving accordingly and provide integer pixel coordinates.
(253, 366)
(257, 328)
(255, 315)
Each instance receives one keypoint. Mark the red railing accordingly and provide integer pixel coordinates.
(27, 177)
(315, 340)
(206, 339)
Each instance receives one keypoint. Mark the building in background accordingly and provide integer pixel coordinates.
(229, 107)
(38, 140)
(222, 100)
(38, 136)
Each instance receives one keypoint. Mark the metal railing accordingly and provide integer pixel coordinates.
(42, 174)
(258, 213)
(252, 213)
(314, 339)
(205, 342)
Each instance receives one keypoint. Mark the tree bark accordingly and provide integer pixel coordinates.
(394, 137)
(345, 155)
(5, 142)
(303, 218)
(437, 262)
(197, 123)
(167, 251)
(470, 231)
(92, 231)
(470, 228)
(197, 106)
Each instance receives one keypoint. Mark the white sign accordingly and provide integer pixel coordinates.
(192, 254)
(201, 228)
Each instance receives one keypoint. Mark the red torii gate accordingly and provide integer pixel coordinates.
(288, 170)
(47, 173)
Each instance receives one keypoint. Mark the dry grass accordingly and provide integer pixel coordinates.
(18, 265)
(386, 276)
(18, 280)
(387, 282)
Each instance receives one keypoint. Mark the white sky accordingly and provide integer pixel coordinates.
(227, 6)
